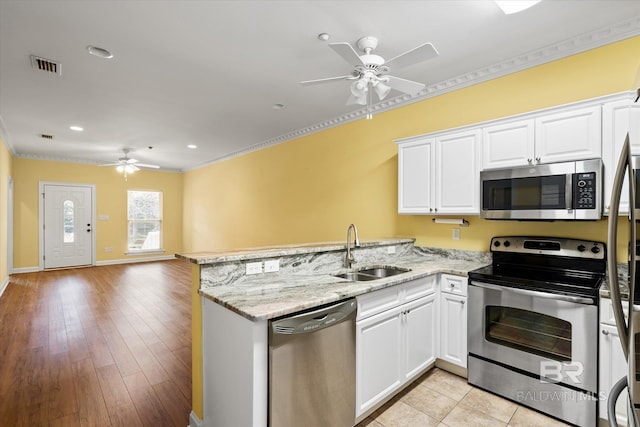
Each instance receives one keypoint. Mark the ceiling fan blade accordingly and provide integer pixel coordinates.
(327, 80)
(407, 86)
(413, 56)
(111, 164)
(143, 165)
(347, 52)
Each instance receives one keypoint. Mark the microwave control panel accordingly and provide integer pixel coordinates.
(584, 190)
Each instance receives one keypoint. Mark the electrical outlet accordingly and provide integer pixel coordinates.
(254, 267)
(455, 234)
(391, 250)
(103, 217)
(271, 265)
(108, 249)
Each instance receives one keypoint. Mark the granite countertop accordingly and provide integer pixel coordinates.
(247, 254)
(623, 282)
(267, 296)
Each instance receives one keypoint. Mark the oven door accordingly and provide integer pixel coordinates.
(548, 335)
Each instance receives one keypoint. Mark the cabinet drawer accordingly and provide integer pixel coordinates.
(419, 288)
(453, 284)
(379, 301)
(606, 311)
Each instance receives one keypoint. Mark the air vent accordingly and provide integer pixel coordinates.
(46, 65)
(46, 136)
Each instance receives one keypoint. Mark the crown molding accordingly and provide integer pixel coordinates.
(80, 161)
(565, 48)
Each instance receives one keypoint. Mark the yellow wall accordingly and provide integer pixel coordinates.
(5, 174)
(311, 188)
(111, 200)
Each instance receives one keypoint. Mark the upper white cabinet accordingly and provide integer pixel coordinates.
(567, 134)
(416, 173)
(439, 175)
(508, 144)
(570, 134)
(615, 125)
(457, 182)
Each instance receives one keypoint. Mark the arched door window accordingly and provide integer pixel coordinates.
(68, 221)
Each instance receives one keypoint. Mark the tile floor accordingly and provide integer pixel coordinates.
(442, 399)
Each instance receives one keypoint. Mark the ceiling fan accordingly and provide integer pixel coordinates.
(370, 70)
(128, 165)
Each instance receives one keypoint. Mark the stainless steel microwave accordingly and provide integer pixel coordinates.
(555, 191)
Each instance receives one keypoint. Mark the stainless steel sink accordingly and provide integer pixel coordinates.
(372, 273)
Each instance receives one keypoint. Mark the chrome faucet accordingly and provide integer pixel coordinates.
(348, 260)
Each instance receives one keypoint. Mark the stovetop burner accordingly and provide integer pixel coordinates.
(546, 264)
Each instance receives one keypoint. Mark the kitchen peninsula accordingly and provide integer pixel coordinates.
(237, 305)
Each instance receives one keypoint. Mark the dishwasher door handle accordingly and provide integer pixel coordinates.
(315, 320)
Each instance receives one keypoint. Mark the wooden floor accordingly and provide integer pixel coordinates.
(99, 346)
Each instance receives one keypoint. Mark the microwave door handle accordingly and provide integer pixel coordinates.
(612, 253)
(568, 192)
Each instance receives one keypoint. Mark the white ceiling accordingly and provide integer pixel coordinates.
(209, 72)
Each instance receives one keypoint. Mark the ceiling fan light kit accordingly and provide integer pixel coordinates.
(370, 71)
(126, 165)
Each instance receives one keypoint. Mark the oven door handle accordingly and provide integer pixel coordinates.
(538, 294)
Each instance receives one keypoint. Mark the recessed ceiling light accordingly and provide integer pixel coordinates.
(192, 146)
(323, 37)
(99, 52)
(76, 128)
(278, 106)
(515, 6)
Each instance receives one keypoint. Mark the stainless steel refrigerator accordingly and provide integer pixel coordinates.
(627, 288)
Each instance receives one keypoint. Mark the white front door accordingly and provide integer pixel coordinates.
(67, 225)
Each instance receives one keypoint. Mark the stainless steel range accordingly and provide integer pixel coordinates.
(533, 325)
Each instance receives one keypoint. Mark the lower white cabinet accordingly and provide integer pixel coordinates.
(395, 345)
(613, 365)
(453, 319)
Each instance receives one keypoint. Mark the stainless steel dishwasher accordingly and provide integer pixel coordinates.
(312, 372)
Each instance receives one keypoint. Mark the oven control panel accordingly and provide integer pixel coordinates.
(549, 246)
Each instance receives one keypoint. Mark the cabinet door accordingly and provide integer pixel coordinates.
(415, 177)
(569, 135)
(453, 329)
(508, 144)
(615, 125)
(458, 173)
(613, 366)
(420, 317)
(379, 353)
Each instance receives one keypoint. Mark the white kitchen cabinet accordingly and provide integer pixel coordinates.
(439, 175)
(453, 320)
(570, 134)
(508, 144)
(615, 125)
(416, 173)
(613, 366)
(421, 318)
(566, 134)
(457, 182)
(396, 344)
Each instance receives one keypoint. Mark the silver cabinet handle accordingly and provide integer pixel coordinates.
(453, 285)
(462, 302)
(537, 159)
(605, 332)
(430, 209)
(529, 160)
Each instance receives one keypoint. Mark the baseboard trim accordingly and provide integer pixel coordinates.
(194, 421)
(25, 270)
(134, 260)
(4, 285)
